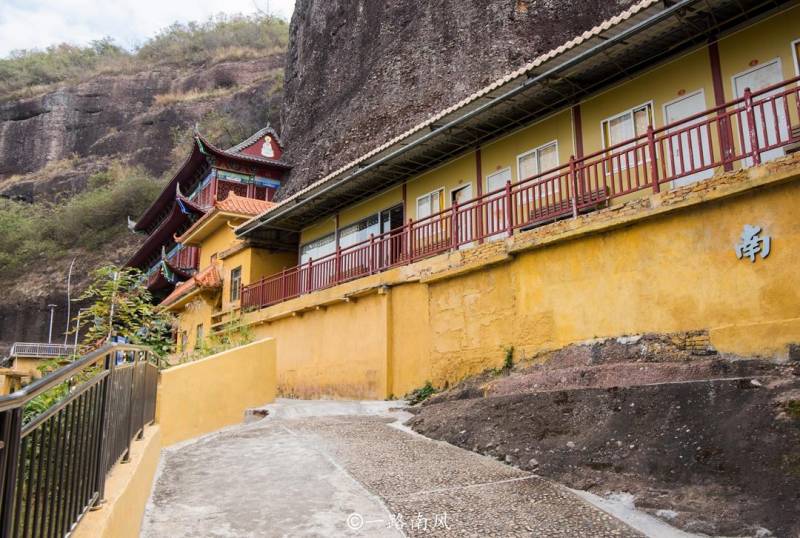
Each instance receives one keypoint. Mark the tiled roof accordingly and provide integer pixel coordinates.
(239, 205)
(242, 205)
(521, 72)
(268, 130)
(207, 279)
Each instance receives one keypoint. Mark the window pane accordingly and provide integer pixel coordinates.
(548, 157)
(423, 207)
(528, 166)
(498, 180)
(620, 128)
(642, 119)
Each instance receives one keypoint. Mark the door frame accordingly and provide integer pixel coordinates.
(748, 161)
(688, 95)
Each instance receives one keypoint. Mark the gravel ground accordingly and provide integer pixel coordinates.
(331, 469)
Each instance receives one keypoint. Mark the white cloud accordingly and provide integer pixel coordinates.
(26, 24)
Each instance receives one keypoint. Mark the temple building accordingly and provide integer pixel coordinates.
(250, 170)
(642, 177)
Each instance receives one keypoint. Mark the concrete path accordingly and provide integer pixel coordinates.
(347, 469)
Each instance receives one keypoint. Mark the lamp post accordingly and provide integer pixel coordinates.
(52, 308)
(78, 326)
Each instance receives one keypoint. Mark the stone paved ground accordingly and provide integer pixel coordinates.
(350, 472)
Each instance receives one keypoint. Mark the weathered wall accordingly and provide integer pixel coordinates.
(203, 396)
(664, 263)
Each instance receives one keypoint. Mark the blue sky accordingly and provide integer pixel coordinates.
(26, 24)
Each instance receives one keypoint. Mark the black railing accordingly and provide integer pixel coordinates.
(60, 436)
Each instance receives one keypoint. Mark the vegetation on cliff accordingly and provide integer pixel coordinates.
(222, 38)
(45, 232)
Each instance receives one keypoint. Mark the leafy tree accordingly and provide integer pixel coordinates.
(122, 306)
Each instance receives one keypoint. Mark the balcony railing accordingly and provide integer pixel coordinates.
(53, 464)
(40, 350)
(741, 132)
(214, 189)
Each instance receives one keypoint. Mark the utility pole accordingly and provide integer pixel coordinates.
(52, 308)
(69, 300)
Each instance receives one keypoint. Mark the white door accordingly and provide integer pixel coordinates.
(765, 117)
(466, 231)
(689, 148)
(494, 218)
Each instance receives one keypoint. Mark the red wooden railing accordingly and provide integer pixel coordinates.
(218, 189)
(739, 131)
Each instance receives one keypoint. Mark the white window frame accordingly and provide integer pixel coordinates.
(498, 172)
(795, 45)
(543, 193)
(442, 197)
(623, 166)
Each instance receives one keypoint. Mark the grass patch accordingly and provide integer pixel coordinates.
(165, 99)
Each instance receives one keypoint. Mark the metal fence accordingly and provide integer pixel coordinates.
(54, 460)
(743, 131)
(41, 350)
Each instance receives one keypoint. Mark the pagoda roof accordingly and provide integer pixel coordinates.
(162, 235)
(208, 279)
(255, 137)
(232, 206)
(202, 148)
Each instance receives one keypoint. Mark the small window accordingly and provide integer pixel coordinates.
(796, 53)
(199, 337)
(430, 204)
(498, 180)
(319, 248)
(213, 257)
(184, 340)
(627, 125)
(236, 283)
(537, 161)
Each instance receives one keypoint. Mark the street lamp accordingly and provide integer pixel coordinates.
(52, 308)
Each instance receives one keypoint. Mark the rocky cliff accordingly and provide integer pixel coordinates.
(130, 116)
(52, 142)
(360, 72)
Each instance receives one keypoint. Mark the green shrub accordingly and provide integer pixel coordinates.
(218, 39)
(421, 394)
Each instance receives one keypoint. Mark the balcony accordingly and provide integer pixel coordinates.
(741, 133)
(214, 189)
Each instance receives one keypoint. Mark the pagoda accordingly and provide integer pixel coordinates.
(251, 169)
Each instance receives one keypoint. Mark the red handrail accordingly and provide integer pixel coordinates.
(686, 147)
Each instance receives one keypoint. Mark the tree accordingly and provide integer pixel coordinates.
(123, 306)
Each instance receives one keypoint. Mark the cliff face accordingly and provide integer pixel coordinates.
(129, 116)
(360, 72)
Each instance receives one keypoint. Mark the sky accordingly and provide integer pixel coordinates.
(26, 24)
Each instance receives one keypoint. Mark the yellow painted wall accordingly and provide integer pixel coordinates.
(339, 351)
(205, 395)
(503, 153)
(220, 240)
(321, 228)
(196, 311)
(128, 488)
(450, 176)
(749, 45)
(658, 270)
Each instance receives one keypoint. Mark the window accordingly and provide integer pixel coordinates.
(498, 180)
(236, 283)
(184, 340)
(537, 161)
(796, 54)
(430, 204)
(624, 127)
(318, 248)
(198, 341)
(360, 231)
